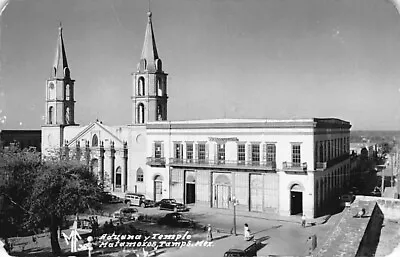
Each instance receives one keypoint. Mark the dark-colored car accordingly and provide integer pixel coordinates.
(107, 197)
(176, 220)
(171, 204)
(127, 213)
(250, 250)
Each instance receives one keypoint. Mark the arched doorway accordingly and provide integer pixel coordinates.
(190, 189)
(158, 188)
(222, 191)
(118, 178)
(296, 199)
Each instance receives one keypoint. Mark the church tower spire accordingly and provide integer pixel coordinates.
(149, 51)
(60, 60)
(149, 98)
(60, 103)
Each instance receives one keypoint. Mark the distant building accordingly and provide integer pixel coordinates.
(21, 138)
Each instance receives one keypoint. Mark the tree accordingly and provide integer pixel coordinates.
(62, 188)
(18, 171)
(43, 192)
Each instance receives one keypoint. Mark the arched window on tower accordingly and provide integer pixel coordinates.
(95, 140)
(67, 92)
(139, 175)
(141, 86)
(67, 115)
(51, 113)
(140, 113)
(159, 112)
(159, 87)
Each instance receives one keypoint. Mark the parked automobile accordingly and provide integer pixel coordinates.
(176, 220)
(107, 197)
(138, 200)
(127, 213)
(171, 204)
(248, 249)
(84, 224)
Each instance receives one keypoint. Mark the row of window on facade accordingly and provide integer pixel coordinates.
(118, 173)
(202, 152)
(141, 87)
(254, 152)
(51, 115)
(68, 92)
(329, 149)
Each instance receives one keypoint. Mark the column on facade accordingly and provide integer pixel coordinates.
(112, 164)
(77, 151)
(263, 154)
(184, 151)
(334, 148)
(195, 151)
(341, 146)
(87, 152)
(101, 164)
(248, 153)
(66, 150)
(125, 167)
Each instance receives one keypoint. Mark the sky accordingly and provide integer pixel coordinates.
(275, 59)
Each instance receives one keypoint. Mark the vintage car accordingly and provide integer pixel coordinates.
(171, 204)
(176, 220)
(138, 200)
(127, 213)
(107, 197)
(244, 249)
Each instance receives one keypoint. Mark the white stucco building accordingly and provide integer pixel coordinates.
(282, 166)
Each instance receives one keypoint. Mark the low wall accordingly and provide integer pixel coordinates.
(372, 233)
(354, 236)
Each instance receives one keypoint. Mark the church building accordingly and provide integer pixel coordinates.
(280, 166)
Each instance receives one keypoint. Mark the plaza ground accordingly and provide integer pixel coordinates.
(276, 231)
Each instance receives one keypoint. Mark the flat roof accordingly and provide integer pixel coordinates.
(251, 123)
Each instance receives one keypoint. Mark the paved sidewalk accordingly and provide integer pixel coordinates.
(257, 215)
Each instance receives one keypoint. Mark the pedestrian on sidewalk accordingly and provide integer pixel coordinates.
(247, 233)
(303, 220)
(209, 233)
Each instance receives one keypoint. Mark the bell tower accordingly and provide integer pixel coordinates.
(60, 103)
(149, 100)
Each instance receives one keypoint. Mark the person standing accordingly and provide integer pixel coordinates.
(209, 233)
(303, 220)
(247, 233)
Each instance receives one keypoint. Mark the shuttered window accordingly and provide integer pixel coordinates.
(271, 153)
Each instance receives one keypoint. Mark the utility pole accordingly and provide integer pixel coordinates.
(383, 181)
(235, 202)
(393, 161)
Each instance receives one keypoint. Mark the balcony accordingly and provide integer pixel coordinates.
(156, 162)
(294, 167)
(223, 164)
(332, 162)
